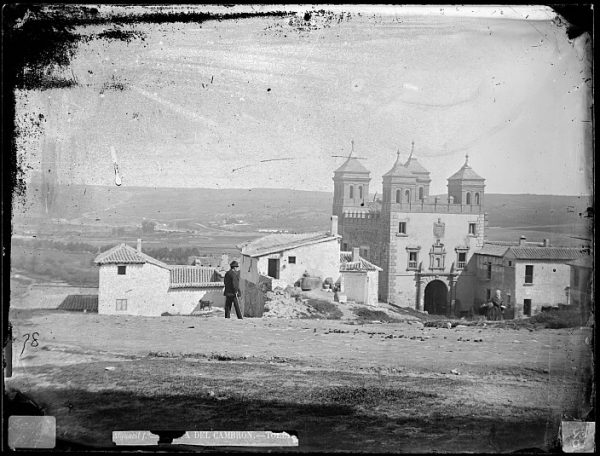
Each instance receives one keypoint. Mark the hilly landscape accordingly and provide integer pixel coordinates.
(249, 210)
(178, 224)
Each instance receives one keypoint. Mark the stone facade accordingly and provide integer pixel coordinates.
(416, 238)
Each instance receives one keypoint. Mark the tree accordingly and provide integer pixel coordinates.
(148, 226)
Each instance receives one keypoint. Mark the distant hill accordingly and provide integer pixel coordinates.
(274, 208)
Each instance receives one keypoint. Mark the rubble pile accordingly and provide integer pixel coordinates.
(286, 303)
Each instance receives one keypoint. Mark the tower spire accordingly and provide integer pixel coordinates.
(466, 159)
(352, 149)
(412, 149)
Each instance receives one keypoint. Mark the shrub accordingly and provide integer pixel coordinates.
(558, 318)
(366, 314)
(324, 309)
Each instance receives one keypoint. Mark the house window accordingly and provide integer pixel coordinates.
(468, 197)
(407, 195)
(352, 192)
(364, 252)
(509, 263)
(489, 271)
(292, 260)
(402, 227)
(488, 294)
(398, 196)
(121, 304)
(420, 193)
(121, 270)
(461, 260)
(527, 307)
(529, 273)
(360, 195)
(508, 298)
(345, 246)
(477, 198)
(473, 229)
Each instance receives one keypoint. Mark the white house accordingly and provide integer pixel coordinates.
(133, 283)
(282, 259)
(359, 277)
(530, 275)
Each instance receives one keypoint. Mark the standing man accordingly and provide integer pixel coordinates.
(232, 290)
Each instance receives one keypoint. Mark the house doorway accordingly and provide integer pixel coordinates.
(436, 297)
(274, 268)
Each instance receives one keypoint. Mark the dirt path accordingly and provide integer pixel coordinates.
(372, 387)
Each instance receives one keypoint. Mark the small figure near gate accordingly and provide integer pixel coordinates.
(232, 290)
(496, 311)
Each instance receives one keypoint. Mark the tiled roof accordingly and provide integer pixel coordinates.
(352, 165)
(493, 250)
(466, 172)
(80, 303)
(545, 253)
(124, 254)
(346, 263)
(283, 241)
(194, 277)
(583, 262)
(413, 165)
(399, 170)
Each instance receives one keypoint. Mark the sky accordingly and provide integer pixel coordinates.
(269, 102)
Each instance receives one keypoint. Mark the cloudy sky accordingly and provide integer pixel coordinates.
(267, 102)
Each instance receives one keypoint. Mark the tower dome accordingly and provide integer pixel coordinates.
(423, 179)
(466, 186)
(399, 184)
(350, 186)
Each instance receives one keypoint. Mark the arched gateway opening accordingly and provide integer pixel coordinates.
(436, 297)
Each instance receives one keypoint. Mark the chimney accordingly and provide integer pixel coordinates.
(546, 242)
(355, 254)
(334, 225)
(522, 240)
(139, 245)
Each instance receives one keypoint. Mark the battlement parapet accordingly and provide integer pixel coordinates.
(441, 207)
(361, 215)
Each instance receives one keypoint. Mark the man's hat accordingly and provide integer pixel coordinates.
(234, 264)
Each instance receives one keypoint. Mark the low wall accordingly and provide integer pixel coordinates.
(253, 297)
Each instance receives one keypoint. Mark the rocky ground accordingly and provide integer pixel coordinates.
(342, 385)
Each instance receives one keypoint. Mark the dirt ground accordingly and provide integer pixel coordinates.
(340, 385)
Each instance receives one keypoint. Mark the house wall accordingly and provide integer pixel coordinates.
(143, 285)
(401, 287)
(373, 288)
(183, 301)
(355, 286)
(547, 289)
(502, 278)
(322, 260)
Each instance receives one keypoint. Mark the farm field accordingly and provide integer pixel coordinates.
(342, 386)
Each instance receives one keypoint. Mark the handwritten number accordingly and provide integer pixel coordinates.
(34, 340)
(24, 343)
